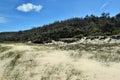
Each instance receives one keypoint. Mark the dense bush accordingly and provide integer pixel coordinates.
(74, 27)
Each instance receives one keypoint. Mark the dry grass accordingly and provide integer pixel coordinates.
(2, 49)
(59, 62)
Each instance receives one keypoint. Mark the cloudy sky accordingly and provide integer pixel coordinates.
(18, 15)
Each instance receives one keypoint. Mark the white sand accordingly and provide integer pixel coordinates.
(45, 63)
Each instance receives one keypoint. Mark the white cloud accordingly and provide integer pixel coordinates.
(29, 7)
(2, 20)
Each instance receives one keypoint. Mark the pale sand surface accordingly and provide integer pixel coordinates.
(39, 62)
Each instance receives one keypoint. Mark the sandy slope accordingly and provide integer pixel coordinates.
(39, 62)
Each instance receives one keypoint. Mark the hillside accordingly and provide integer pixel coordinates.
(92, 25)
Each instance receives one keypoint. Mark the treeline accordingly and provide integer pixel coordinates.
(90, 25)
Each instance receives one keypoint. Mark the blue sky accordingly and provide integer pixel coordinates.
(18, 15)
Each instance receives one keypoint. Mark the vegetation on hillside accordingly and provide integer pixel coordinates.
(92, 25)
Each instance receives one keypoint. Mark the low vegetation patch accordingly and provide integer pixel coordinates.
(106, 57)
(61, 72)
(2, 49)
(14, 60)
(86, 47)
(76, 54)
(9, 55)
(101, 52)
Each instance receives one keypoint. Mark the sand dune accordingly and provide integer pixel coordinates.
(40, 62)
